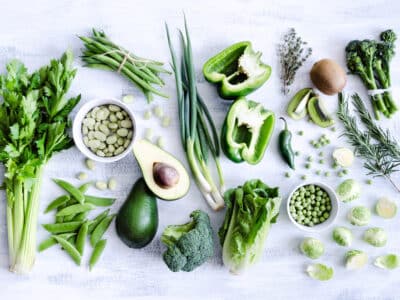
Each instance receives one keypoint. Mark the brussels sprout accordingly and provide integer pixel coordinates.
(320, 272)
(389, 261)
(359, 215)
(375, 236)
(348, 190)
(386, 208)
(342, 236)
(355, 259)
(312, 248)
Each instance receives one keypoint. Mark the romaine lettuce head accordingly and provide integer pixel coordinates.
(250, 210)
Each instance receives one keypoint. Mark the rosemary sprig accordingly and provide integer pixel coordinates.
(292, 55)
(375, 146)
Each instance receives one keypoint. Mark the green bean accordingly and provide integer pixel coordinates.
(73, 191)
(81, 237)
(96, 221)
(70, 249)
(62, 227)
(99, 201)
(75, 209)
(97, 251)
(84, 187)
(56, 203)
(51, 241)
(100, 229)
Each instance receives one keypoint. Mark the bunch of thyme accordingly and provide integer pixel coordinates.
(377, 147)
(292, 54)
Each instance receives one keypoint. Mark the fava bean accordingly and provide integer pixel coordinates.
(123, 132)
(112, 184)
(82, 176)
(101, 185)
(90, 164)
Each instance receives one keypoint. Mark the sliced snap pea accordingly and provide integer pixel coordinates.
(81, 237)
(96, 221)
(70, 249)
(62, 227)
(57, 203)
(100, 229)
(75, 209)
(99, 201)
(47, 243)
(97, 251)
(73, 191)
(84, 187)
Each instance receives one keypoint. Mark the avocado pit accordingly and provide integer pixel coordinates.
(165, 175)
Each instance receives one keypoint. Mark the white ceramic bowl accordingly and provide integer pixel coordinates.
(77, 129)
(333, 214)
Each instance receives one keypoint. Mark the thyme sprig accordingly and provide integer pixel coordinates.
(377, 147)
(292, 55)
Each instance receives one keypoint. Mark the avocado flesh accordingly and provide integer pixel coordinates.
(317, 113)
(148, 154)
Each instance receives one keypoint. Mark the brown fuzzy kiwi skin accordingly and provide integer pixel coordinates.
(328, 76)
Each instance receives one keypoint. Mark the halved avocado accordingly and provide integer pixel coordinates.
(165, 176)
(317, 113)
(297, 108)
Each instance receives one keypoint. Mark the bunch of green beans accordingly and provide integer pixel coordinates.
(72, 227)
(101, 53)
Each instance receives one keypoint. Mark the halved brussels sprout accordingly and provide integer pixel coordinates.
(375, 236)
(389, 261)
(320, 272)
(359, 216)
(312, 248)
(342, 236)
(386, 208)
(355, 259)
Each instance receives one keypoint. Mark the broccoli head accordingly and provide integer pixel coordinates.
(388, 36)
(189, 245)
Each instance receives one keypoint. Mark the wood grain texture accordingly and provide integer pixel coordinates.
(36, 31)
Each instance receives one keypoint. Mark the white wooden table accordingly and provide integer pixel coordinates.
(36, 31)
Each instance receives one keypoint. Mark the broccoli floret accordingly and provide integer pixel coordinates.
(189, 245)
(388, 36)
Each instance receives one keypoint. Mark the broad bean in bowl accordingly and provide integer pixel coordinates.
(103, 130)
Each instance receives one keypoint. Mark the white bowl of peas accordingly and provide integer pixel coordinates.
(104, 130)
(312, 206)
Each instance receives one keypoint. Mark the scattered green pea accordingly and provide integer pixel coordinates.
(307, 166)
(287, 174)
(303, 177)
(327, 174)
(368, 181)
(321, 154)
(309, 159)
(296, 153)
(333, 129)
(345, 171)
(301, 132)
(318, 172)
(321, 161)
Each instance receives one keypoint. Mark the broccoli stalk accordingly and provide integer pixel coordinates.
(189, 245)
(370, 60)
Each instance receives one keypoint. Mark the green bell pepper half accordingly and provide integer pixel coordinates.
(246, 131)
(237, 70)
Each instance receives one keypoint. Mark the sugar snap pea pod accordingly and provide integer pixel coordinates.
(99, 201)
(81, 237)
(57, 203)
(69, 248)
(73, 191)
(62, 227)
(75, 209)
(97, 251)
(47, 243)
(61, 219)
(81, 216)
(100, 229)
(96, 221)
(84, 187)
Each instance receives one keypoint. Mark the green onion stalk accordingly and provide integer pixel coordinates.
(33, 126)
(198, 133)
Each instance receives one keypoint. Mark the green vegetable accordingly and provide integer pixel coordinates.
(198, 134)
(62, 227)
(101, 53)
(251, 209)
(343, 157)
(375, 236)
(74, 209)
(376, 146)
(73, 191)
(386, 208)
(246, 131)
(285, 146)
(33, 126)
(237, 70)
(51, 241)
(355, 259)
(90, 164)
(100, 229)
(96, 221)
(312, 248)
(348, 190)
(370, 60)
(69, 248)
(297, 108)
(342, 236)
(359, 216)
(57, 203)
(84, 187)
(99, 201)
(137, 219)
(190, 244)
(389, 261)
(81, 237)
(320, 272)
(292, 53)
(97, 251)
(317, 113)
